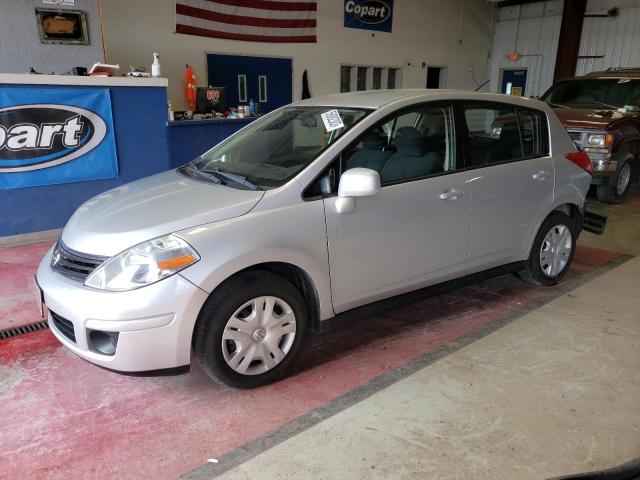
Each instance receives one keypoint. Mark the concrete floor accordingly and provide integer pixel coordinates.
(499, 380)
(554, 392)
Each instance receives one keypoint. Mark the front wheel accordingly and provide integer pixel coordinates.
(552, 251)
(619, 185)
(251, 329)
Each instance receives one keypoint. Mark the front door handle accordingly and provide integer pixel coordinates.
(541, 175)
(451, 194)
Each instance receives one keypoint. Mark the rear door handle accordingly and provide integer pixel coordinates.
(541, 175)
(451, 194)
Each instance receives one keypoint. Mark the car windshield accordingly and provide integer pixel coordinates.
(594, 93)
(273, 149)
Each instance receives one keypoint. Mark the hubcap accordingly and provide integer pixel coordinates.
(259, 335)
(623, 179)
(555, 250)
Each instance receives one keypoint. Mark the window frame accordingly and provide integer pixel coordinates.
(242, 86)
(262, 89)
(456, 152)
(463, 130)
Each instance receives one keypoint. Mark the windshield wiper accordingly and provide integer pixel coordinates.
(202, 174)
(239, 179)
(557, 105)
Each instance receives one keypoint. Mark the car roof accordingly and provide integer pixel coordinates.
(378, 98)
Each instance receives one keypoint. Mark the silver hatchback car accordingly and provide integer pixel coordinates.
(310, 212)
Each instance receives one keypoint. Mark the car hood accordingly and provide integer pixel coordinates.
(153, 206)
(588, 118)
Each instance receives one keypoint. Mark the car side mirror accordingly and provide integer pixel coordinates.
(356, 182)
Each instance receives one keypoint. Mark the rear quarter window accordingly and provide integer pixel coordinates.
(533, 130)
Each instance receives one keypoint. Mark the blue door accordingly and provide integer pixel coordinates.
(266, 80)
(514, 81)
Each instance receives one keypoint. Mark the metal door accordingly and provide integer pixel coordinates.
(266, 80)
(514, 81)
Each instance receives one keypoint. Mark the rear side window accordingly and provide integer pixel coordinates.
(503, 133)
(493, 135)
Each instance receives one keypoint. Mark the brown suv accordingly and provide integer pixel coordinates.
(601, 114)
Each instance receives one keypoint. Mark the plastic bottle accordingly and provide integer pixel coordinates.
(155, 66)
(252, 108)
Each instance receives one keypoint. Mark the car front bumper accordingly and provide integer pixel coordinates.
(602, 176)
(600, 179)
(154, 323)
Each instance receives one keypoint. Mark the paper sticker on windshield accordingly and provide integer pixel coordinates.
(332, 120)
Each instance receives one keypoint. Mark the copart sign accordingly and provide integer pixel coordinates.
(369, 14)
(62, 136)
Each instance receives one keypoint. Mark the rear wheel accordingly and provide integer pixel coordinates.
(618, 187)
(251, 329)
(552, 251)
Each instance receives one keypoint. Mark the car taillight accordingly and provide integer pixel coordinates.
(582, 160)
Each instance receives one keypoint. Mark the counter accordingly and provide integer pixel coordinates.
(128, 138)
(190, 138)
(138, 108)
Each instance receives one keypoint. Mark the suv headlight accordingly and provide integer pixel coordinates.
(598, 143)
(596, 140)
(143, 264)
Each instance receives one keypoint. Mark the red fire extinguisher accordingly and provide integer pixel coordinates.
(190, 87)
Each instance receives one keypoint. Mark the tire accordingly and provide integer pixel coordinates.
(231, 324)
(619, 184)
(541, 269)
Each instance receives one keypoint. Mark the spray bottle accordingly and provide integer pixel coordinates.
(155, 66)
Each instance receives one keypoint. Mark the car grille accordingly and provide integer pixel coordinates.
(64, 326)
(576, 137)
(74, 265)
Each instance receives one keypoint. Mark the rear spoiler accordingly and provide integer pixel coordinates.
(594, 223)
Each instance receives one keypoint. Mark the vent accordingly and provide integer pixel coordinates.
(14, 332)
(64, 326)
(74, 265)
(576, 137)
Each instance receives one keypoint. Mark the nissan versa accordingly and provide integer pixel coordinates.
(308, 213)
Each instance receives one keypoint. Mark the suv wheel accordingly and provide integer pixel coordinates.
(251, 329)
(619, 184)
(552, 251)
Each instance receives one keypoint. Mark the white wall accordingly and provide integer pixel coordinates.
(20, 46)
(535, 28)
(617, 38)
(423, 31)
(532, 30)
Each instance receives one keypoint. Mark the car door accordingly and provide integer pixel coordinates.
(415, 231)
(511, 183)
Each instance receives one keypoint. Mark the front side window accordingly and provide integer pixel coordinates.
(493, 135)
(413, 144)
(273, 149)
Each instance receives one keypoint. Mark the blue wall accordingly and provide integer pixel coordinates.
(139, 117)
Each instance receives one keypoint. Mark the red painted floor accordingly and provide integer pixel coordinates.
(64, 418)
(18, 300)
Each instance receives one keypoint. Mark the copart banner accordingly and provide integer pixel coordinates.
(55, 135)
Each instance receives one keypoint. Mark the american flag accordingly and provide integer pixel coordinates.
(251, 20)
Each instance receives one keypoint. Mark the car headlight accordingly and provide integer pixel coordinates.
(599, 140)
(143, 264)
(598, 144)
